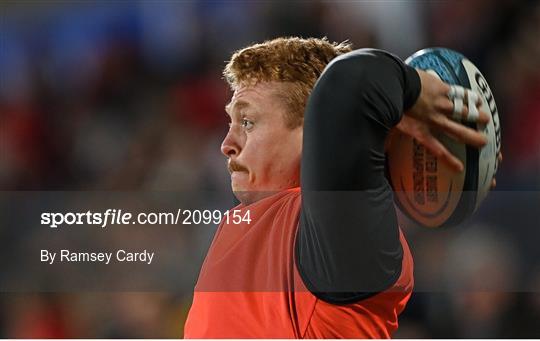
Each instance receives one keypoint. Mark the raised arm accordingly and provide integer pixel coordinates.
(348, 245)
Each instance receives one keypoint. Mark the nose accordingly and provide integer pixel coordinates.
(230, 146)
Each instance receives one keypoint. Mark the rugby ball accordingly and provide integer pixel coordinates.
(425, 188)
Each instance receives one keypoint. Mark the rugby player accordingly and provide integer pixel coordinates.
(321, 255)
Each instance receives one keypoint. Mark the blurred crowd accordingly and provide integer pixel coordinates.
(122, 95)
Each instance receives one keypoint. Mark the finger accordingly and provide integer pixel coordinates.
(457, 112)
(456, 91)
(493, 183)
(440, 151)
(500, 157)
(473, 113)
(479, 101)
(445, 88)
(481, 116)
(458, 131)
(459, 96)
(474, 108)
(456, 95)
(445, 105)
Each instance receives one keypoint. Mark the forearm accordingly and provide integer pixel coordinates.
(355, 103)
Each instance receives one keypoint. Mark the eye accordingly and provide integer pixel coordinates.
(247, 124)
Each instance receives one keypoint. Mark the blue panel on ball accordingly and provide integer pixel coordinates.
(432, 61)
(453, 58)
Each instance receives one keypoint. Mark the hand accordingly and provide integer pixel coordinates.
(434, 110)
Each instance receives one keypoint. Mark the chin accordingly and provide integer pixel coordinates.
(244, 197)
(249, 197)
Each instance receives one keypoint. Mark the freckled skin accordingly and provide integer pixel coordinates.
(259, 141)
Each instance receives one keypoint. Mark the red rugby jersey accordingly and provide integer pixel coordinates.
(249, 286)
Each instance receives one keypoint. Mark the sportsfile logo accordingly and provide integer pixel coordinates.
(119, 217)
(112, 216)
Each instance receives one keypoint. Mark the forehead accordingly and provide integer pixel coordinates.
(263, 95)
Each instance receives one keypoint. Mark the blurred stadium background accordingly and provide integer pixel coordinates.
(123, 95)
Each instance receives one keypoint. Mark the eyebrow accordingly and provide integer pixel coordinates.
(239, 105)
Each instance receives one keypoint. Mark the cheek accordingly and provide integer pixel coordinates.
(283, 160)
(274, 159)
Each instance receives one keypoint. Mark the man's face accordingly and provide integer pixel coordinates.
(263, 153)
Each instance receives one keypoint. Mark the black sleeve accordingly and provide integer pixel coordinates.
(348, 246)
